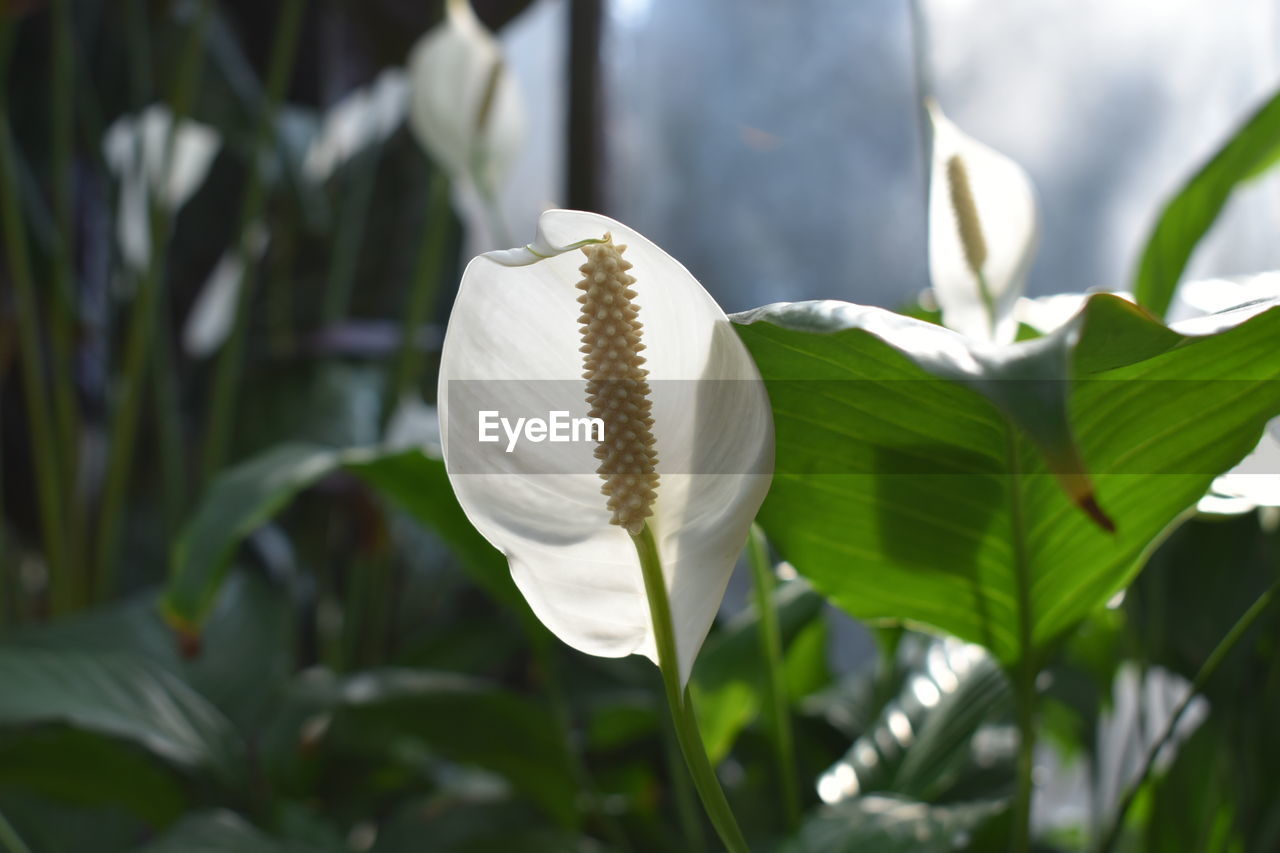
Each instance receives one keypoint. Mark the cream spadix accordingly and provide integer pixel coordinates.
(688, 433)
(983, 232)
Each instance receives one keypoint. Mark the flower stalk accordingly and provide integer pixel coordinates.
(231, 363)
(62, 305)
(1246, 621)
(422, 291)
(142, 324)
(691, 745)
(775, 698)
(49, 491)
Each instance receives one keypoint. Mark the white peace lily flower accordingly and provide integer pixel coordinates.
(983, 232)
(516, 322)
(464, 107)
(363, 117)
(134, 148)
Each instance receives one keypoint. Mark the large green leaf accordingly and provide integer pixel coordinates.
(913, 466)
(1252, 149)
(245, 650)
(376, 714)
(70, 767)
(248, 495)
(125, 698)
(238, 502)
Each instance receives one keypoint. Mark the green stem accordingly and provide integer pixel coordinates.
(10, 839)
(682, 790)
(172, 451)
(8, 595)
(1206, 671)
(142, 323)
(231, 362)
(279, 307)
(923, 82)
(497, 220)
(48, 483)
(988, 301)
(165, 398)
(139, 43)
(354, 213)
(776, 702)
(62, 314)
(1025, 673)
(686, 726)
(426, 274)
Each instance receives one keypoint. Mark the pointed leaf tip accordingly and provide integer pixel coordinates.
(1089, 504)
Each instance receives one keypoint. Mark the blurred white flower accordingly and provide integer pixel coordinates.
(134, 148)
(213, 313)
(983, 232)
(514, 345)
(464, 107)
(364, 117)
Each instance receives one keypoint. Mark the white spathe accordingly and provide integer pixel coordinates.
(1009, 222)
(134, 149)
(363, 117)
(213, 314)
(515, 322)
(464, 107)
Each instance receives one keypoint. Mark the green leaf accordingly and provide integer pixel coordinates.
(125, 698)
(465, 720)
(419, 485)
(1252, 149)
(888, 824)
(245, 649)
(82, 769)
(238, 502)
(216, 832)
(727, 684)
(248, 495)
(912, 479)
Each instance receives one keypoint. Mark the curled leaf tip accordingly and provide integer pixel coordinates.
(186, 632)
(1089, 504)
